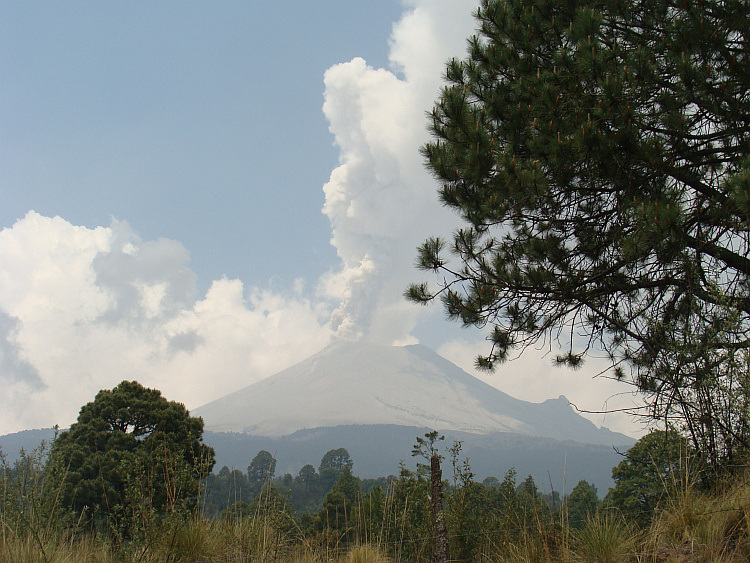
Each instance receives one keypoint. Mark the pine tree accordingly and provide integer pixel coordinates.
(598, 151)
(261, 470)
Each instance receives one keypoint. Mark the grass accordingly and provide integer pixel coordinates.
(695, 528)
(605, 538)
(692, 527)
(708, 527)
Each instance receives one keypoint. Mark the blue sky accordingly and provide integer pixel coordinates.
(198, 195)
(195, 121)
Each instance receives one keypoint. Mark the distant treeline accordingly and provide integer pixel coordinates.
(314, 494)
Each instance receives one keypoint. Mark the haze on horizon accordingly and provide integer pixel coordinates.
(165, 172)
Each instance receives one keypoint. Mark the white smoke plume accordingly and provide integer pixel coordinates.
(381, 201)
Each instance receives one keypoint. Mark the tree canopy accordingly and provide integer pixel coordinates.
(336, 460)
(130, 447)
(598, 151)
(332, 464)
(262, 467)
(659, 463)
(581, 504)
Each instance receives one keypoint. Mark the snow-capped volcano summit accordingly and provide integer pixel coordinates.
(359, 383)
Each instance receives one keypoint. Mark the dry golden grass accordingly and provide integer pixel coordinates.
(697, 527)
(365, 554)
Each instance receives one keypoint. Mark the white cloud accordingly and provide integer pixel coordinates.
(82, 309)
(145, 281)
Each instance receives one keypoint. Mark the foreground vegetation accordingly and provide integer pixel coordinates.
(670, 518)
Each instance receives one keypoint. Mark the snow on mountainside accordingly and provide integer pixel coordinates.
(355, 383)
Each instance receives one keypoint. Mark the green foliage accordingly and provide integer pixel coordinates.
(273, 507)
(657, 466)
(333, 463)
(237, 511)
(598, 152)
(425, 448)
(528, 489)
(467, 519)
(306, 492)
(412, 521)
(131, 455)
(262, 468)
(582, 504)
(307, 474)
(29, 503)
(336, 460)
(491, 482)
(370, 516)
(498, 521)
(225, 490)
(606, 538)
(338, 506)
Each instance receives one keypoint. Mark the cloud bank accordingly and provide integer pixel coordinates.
(82, 309)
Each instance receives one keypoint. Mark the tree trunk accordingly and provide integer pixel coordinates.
(436, 504)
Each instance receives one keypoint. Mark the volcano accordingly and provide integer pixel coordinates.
(358, 383)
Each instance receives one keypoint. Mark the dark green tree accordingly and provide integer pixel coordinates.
(27, 505)
(467, 509)
(237, 511)
(273, 507)
(130, 449)
(659, 463)
(370, 518)
(332, 465)
(307, 474)
(529, 489)
(598, 152)
(304, 492)
(491, 482)
(412, 529)
(426, 448)
(261, 468)
(511, 508)
(582, 503)
(506, 492)
(530, 498)
(339, 505)
(224, 489)
(336, 460)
